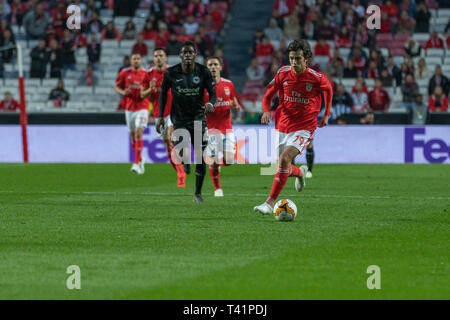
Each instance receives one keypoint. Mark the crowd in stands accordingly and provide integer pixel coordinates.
(350, 54)
(55, 48)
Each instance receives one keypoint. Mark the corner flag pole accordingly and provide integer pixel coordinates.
(23, 106)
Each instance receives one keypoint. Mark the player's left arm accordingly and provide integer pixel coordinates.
(327, 89)
(210, 87)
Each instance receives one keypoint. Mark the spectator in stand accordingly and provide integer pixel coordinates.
(225, 64)
(435, 41)
(18, 10)
(372, 71)
(385, 26)
(56, 60)
(391, 67)
(358, 60)
(173, 46)
(325, 31)
(291, 29)
(418, 111)
(68, 52)
(257, 38)
(79, 39)
(438, 79)
(412, 48)
(174, 18)
(255, 72)
(265, 48)
(335, 69)
(334, 16)
(94, 51)
(91, 7)
(410, 7)
(197, 9)
(322, 48)
(110, 32)
(140, 46)
(377, 57)
(343, 38)
(163, 36)
(271, 72)
(201, 45)
(402, 73)
(273, 32)
(350, 71)
(379, 98)
(59, 25)
(95, 24)
(216, 16)
(386, 79)
(8, 103)
(129, 33)
(360, 100)
(447, 39)
(284, 7)
(7, 40)
(59, 96)
(88, 78)
(191, 25)
(36, 22)
(422, 71)
(361, 34)
(209, 26)
(148, 33)
(342, 103)
(409, 90)
(125, 64)
(422, 18)
(39, 60)
(438, 101)
(358, 8)
(360, 81)
(390, 8)
(406, 24)
(157, 8)
(308, 31)
(182, 36)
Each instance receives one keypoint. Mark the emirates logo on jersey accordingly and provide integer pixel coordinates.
(309, 86)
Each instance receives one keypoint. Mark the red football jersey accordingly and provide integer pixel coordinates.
(221, 118)
(300, 98)
(158, 76)
(135, 80)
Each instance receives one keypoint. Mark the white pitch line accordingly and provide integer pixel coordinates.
(228, 194)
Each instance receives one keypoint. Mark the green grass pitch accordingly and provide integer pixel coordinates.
(141, 237)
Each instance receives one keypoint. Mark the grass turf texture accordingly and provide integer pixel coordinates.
(141, 237)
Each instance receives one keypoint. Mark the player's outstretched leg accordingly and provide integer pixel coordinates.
(285, 170)
(181, 175)
(200, 172)
(310, 159)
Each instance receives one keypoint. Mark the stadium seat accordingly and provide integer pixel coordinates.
(348, 82)
(93, 105)
(402, 37)
(398, 60)
(344, 52)
(104, 90)
(49, 83)
(384, 52)
(432, 52)
(434, 60)
(370, 83)
(75, 104)
(128, 44)
(383, 37)
(83, 90)
(421, 36)
(171, 60)
(276, 44)
(422, 82)
(110, 44)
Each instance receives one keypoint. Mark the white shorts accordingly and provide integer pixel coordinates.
(136, 119)
(167, 123)
(221, 142)
(297, 139)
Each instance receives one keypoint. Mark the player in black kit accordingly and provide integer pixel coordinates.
(188, 81)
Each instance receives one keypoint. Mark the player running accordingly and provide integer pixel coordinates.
(220, 132)
(155, 78)
(300, 91)
(188, 81)
(128, 84)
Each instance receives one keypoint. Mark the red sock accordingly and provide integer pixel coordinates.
(296, 172)
(177, 166)
(215, 176)
(138, 150)
(278, 184)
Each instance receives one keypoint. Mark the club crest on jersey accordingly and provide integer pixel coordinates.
(285, 83)
(196, 80)
(309, 86)
(227, 91)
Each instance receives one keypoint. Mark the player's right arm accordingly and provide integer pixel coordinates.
(165, 86)
(120, 85)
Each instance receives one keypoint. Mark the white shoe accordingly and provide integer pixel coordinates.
(218, 193)
(141, 166)
(309, 175)
(264, 208)
(300, 183)
(135, 168)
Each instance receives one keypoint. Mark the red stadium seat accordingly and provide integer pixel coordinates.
(397, 52)
(383, 37)
(403, 37)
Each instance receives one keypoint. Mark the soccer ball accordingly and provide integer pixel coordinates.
(285, 210)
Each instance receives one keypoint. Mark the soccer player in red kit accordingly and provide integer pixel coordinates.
(129, 83)
(220, 131)
(155, 78)
(299, 89)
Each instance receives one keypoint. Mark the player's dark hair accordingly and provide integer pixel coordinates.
(136, 53)
(214, 57)
(302, 45)
(160, 49)
(188, 44)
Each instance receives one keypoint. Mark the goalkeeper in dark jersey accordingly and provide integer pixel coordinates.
(188, 81)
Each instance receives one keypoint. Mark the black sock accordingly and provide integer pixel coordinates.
(310, 158)
(200, 171)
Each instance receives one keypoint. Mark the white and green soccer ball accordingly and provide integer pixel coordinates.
(285, 210)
